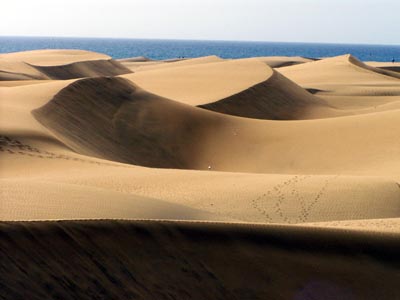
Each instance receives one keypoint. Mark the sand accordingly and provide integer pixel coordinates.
(162, 180)
(57, 65)
(181, 260)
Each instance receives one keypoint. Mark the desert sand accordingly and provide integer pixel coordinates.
(204, 178)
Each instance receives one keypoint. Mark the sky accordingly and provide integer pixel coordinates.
(323, 21)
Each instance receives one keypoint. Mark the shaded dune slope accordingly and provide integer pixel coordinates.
(393, 69)
(283, 61)
(11, 76)
(57, 64)
(92, 68)
(10, 71)
(277, 98)
(112, 118)
(179, 260)
(135, 59)
(353, 60)
(390, 68)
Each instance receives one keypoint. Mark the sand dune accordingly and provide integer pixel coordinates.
(246, 88)
(137, 64)
(205, 140)
(53, 57)
(34, 162)
(92, 68)
(390, 66)
(16, 104)
(134, 59)
(283, 61)
(143, 63)
(382, 71)
(347, 84)
(43, 200)
(57, 64)
(161, 260)
(277, 98)
(163, 64)
(336, 72)
(133, 126)
(17, 70)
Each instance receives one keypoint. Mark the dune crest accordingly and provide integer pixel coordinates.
(283, 61)
(57, 65)
(244, 87)
(181, 179)
(91, 68)
(277, 98)
(113, 119)
(353, 60)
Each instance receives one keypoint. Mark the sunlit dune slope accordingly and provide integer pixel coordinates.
(42, 180)
(245, 87)
(114, 119)
(342, 75)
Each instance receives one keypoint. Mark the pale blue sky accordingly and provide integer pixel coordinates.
(328, 21)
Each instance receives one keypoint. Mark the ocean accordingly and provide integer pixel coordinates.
(164, 49)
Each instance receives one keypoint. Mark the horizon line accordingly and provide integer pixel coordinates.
(194, 40)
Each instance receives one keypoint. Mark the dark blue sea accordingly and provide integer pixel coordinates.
(164, 49)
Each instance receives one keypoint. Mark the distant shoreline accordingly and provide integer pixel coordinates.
(167, 49)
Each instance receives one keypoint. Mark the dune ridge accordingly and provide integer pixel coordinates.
(391, 66)
(121, 124)
(284, 61)
(326, 71)
(113, 119)
(198, 179)
(277, 98)
(91, 68)
(57, 65)
(360, 64)
(245, 87)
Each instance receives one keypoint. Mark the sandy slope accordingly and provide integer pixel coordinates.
(169, 260)
(250, 197)
(283, 61)
(16, 104)
(395, 66)
(75, 149)
(44, 200)
(263, 198)
(57, 64)
(143, 63)
(131, 125)
(138, 66)
(245, 87)
(346, 83)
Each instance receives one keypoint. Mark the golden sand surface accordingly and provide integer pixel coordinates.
(204, 178)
